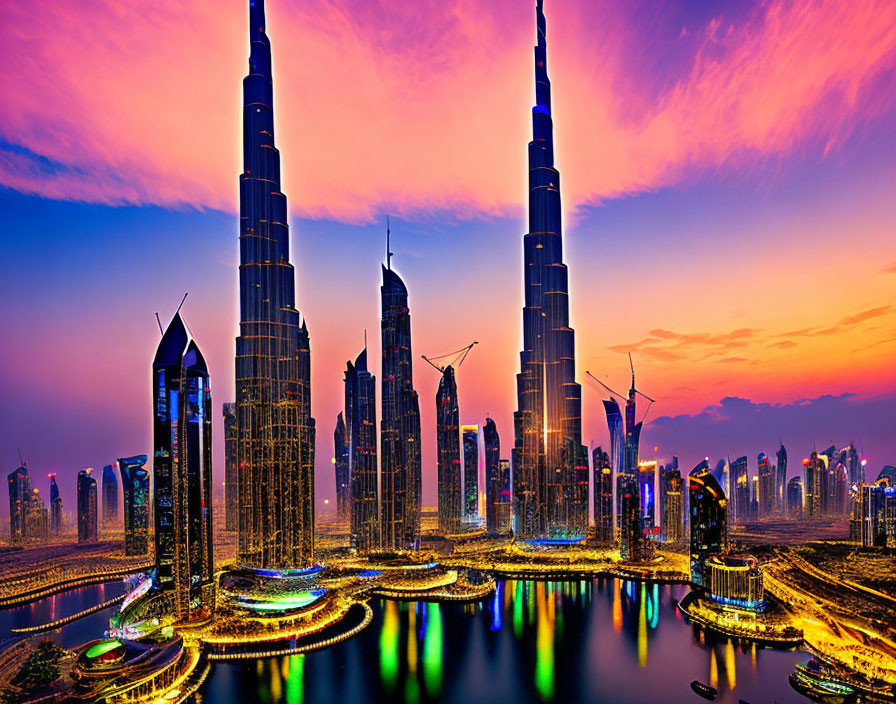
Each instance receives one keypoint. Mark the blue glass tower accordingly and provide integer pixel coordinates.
(135, 489)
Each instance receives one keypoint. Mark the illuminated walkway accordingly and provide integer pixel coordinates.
(58, 623)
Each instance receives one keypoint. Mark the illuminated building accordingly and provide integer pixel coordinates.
(815, 470)
(401, 464)
(781, 480)
(496, 480)
(708, 519)
(740, 489)
(603, 495)
(754, 498)
(766, 490)
(87, 511)
(634, 545)
(503, 506)
(855, 466)
(341, 464)
(37, 523)
(110, 494)
(135, 490)
(647, 491)
(548, 436)
(617, 443)
(795, 497)
(448, 450)
(879, 510)
(736, 580)
(275, 441)
(19, 482)
(182, 472)
(55, 507)
(360, 410)
(672, 523)
(231, 469)
(470, 442)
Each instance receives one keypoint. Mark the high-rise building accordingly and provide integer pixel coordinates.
(135, 490)
(494, 477)
(708, 519)
(19, 481)
(360, 410)
(795, 497)
(740, 489)
(603, 495)
(448, 450)
(766, 491)
(275, 441)
(401, 469)
(182, 472)
(617, 446)
(504, 505)
(110, 494)
(634, 545)
(855, 466)
(231, 469)
(87, 510)
(815, 485)
(647, 472)
(548, 434)
(879, 510)
(55, 507)
(470, 444)
(341, 464)
(781, 480)
(37, 523)
(672, 523)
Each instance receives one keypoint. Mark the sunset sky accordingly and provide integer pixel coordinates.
(728, 175)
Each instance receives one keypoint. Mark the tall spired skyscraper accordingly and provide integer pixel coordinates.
(448, 450)
(401, 468)
(275, 442)
(547, 424)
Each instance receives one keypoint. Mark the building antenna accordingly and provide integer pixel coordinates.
(181, 303)
(388, 248)
(21, 459)
(365, 338)
(160, 324)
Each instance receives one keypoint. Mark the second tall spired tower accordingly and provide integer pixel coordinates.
(275, 436)
(548, 455)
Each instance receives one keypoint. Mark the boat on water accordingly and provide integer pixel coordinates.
(809, 680)
(704, 690)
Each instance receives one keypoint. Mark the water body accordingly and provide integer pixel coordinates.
(602, 641)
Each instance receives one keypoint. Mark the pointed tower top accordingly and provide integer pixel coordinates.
(631, 393)
(388, 248)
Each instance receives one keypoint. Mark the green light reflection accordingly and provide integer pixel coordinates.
(432, 651)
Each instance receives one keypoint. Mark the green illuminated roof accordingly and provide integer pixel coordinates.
(102, 647)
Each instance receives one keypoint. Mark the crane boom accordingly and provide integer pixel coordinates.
(457, 357)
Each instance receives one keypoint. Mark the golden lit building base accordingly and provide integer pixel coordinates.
(774, 627)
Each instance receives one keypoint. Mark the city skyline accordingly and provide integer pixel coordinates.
(748, 350)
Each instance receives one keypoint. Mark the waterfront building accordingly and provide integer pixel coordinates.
(19, 484)
(708, 508)
(494, 477)
(110, 494)
(470, 444)
(647, 472)
(672, 524)
(766, 494)
(55, 507)
(360, 410)
(740, 489)
(341, 464)
(448, 451)
(275, 441)
(781, 480)
(603, 495)
(736, 580)
(87, 509)
(548, 451)
(504, 505)
(182, 472)
(815, 471)
(634, 545)
(401, 464)
(231, 469)
(135, 491)
(795, 497)
(37, 523)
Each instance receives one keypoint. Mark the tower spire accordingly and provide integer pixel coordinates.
(388, 247)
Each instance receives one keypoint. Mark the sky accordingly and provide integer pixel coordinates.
(728, 175)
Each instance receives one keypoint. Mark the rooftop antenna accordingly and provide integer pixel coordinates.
(181, 303)
(21, 459)
(388, 248)
(160, 324)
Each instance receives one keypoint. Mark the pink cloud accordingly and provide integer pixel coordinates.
(422, 106)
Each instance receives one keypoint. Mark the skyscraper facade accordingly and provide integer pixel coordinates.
(360, 409)
(37, 523)
(503, 506)
(603, 495)
(647, 475)
(55, 507)
(341, 465)
(448, 451)
(231, 468)
(781, 481)
(275, 442)
(401, 466)
(494, 479)
(708, 519)
(470, 444)
(87, 510)
(135, 490)
(740, 489)
(19, 484)
(767, 484)
(182, 472)
(548, 444)
(617, 452)
(795, 497)
(110, 494)
(672, 523)
(815, 471)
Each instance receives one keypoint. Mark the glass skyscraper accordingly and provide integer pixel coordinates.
(548, 434)
(360, 409)
(603, 495)
(55, 507)
(110, 494)
(448, 450)
(182, 472)
(341, 469)
(19, 482)
(709, 520)
(87, 510)
(135, 490)
(275, 442)
(494, 477)
(470, 441)
(231, 469)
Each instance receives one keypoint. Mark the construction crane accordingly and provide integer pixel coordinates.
(456, 358)
(632, 391)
